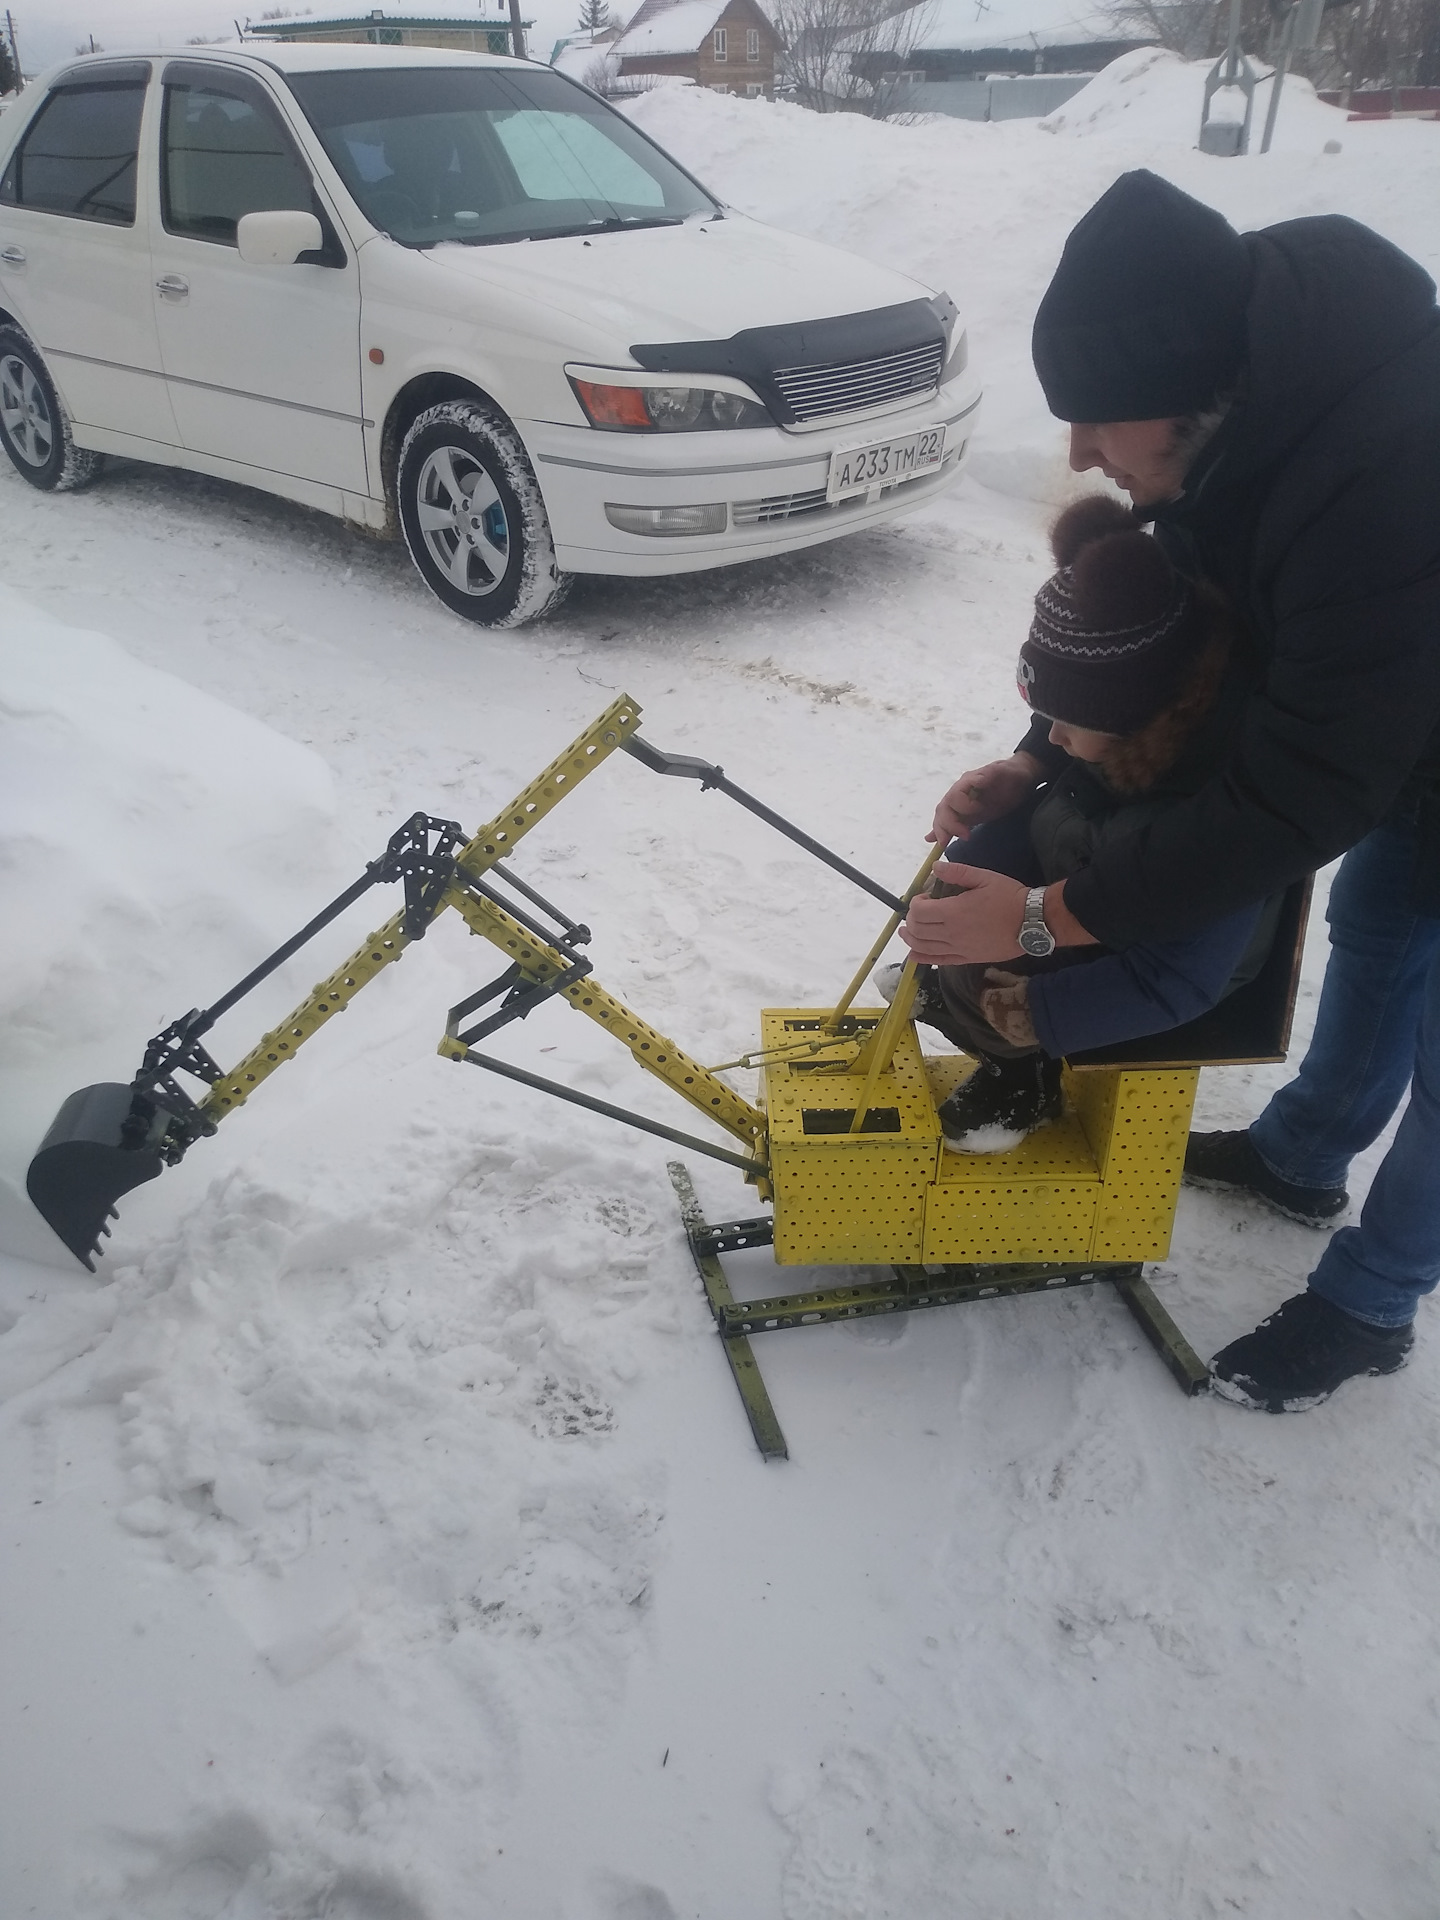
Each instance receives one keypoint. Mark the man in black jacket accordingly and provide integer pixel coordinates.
(1272, 402)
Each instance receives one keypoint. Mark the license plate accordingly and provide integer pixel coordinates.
(880, 463)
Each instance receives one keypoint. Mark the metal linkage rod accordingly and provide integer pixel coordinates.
(575, 931)
(281, 954)
(593, 1105)
(684, 766)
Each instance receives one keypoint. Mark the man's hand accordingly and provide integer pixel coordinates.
(987, 793)
(980, 923)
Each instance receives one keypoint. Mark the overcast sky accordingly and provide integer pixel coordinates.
(49, 29)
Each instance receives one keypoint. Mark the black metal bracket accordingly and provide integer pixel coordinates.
(425, 869)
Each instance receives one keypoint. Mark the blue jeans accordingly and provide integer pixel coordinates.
(1377, 1029)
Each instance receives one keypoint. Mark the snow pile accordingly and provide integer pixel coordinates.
(142, 824)
(1149, 94)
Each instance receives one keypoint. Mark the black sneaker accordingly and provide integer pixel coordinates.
(1228, 1163)
(1302, 1353)
(1015, 1094)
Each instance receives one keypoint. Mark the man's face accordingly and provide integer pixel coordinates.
(1142, 456)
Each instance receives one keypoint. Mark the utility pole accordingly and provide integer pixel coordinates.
(14, 50)
(517, 31)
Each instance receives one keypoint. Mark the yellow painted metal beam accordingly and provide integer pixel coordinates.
(332, 996)
(649, 1048)
(491, 843)
(498, 838)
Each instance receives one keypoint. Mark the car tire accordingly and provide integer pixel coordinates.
(474, 519)
(34, 426)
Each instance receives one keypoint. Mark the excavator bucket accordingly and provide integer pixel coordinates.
(104, 1141)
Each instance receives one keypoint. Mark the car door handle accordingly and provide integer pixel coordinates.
(171, 287)
(13, 256)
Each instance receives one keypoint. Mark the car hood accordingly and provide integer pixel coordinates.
(701, 281)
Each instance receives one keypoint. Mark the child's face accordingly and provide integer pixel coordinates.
(1081, 743)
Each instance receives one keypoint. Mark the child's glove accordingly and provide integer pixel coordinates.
(1006, 1005)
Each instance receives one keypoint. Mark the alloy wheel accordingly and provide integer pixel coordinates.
(462, 521)
(25, 412)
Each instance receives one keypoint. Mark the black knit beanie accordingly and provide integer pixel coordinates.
(1145, 317)
(1116, 630)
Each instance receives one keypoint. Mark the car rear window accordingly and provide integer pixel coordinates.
(77, 157)
(487, 155)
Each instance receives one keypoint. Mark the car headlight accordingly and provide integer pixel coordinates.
(666, 409)
(959, 357)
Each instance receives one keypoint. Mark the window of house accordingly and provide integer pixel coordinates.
(224, 154)
(78, 155)
(752, 43)
(754, 91)
(722, 43)
(720, 88)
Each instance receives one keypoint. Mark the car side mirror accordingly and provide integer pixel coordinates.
(277, 238)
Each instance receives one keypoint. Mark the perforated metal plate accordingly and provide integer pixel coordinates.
(1101, 1183)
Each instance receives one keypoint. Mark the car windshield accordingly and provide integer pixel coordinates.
(488, 155)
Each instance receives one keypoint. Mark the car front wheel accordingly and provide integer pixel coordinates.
(33, 425)
(474, 519)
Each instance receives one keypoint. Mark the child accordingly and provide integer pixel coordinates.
(1141, 676)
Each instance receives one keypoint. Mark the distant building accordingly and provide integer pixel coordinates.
(727, 45)
(588, 57)
(1002, 59)
(395, 25)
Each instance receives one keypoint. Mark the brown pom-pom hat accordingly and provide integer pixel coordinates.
(1116, 630)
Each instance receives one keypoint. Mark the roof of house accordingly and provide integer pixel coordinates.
(669, 26)
(408, 13)
(580, 55)
(963, 26)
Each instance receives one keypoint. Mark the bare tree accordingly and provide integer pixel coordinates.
(850, 56)
(1196, 29)
(1363, 43)
(9, 73)
(1380, 44)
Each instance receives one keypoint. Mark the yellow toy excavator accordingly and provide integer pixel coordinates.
(846, 1148)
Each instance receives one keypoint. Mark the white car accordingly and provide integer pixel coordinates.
(457, 294)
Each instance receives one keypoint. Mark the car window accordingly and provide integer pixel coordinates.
(564, 156)
(486, 155)
(224, 154)
(77, 157)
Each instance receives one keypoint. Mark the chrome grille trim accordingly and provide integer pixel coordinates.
(812, 393)
(781, 506)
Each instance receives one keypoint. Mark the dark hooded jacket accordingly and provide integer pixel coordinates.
(1315, 511)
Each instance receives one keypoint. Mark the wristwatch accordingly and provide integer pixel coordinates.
(1036, 938)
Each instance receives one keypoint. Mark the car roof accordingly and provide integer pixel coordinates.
(300, 57)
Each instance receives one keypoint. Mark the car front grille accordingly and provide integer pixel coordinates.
(781, 506)
(815, 393)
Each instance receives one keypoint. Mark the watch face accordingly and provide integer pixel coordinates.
(1037, 941)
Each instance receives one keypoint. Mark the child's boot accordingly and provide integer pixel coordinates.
(1016, 1094)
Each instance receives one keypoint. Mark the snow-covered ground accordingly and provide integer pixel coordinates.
(383, 1539)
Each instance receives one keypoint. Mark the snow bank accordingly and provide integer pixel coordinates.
(1152, 95)
(140, 820)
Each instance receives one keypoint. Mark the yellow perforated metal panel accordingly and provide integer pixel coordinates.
(1100, 1183)
(843, 1198)
(1143, 1158)
(1008, 1220)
